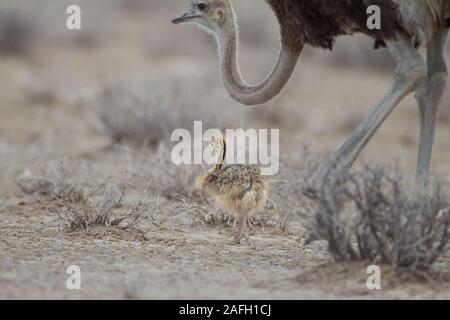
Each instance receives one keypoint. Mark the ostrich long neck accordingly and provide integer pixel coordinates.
(232, 78)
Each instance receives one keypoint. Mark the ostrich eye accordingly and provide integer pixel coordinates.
(202, 7)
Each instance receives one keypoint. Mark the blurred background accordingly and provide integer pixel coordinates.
(130, 76)
(80, 110)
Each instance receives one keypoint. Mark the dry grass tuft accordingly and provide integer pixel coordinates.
(105, 210)
(55, 181)
(288, 200)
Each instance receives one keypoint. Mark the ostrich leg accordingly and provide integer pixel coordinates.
(428, 96)
(409, 74)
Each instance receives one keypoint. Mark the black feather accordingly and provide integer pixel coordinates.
(319, 22)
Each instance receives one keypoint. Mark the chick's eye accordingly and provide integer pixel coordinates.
(202, 6)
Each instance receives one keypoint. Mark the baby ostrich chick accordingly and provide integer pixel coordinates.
(240, 189)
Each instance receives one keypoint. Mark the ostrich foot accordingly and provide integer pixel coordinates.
(248, 239)
(237, 239)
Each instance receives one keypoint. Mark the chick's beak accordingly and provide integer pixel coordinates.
(188, 16)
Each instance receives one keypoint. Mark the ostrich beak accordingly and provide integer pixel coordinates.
(188, 16)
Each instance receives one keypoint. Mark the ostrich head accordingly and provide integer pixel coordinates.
(218, 17)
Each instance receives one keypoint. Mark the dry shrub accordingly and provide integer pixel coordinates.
(287, 201)
(357, 51)
(258, 25)
(16, 33)
(80, 205)
(166, 179)
(147, 112)
(177, 184)
(371, 215)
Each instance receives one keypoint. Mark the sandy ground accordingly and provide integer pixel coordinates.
(182, 260)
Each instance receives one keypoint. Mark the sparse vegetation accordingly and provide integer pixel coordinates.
(81, 205)
(167, 179)
(138, 77)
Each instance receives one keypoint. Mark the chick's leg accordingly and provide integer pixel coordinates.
(238, 235)
(244, 232)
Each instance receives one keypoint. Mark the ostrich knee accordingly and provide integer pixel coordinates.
(411, 73)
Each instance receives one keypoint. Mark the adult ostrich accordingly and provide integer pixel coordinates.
(405, 26)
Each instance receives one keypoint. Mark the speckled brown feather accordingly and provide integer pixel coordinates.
(319, 22)
(238, 188)
(231, 176)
